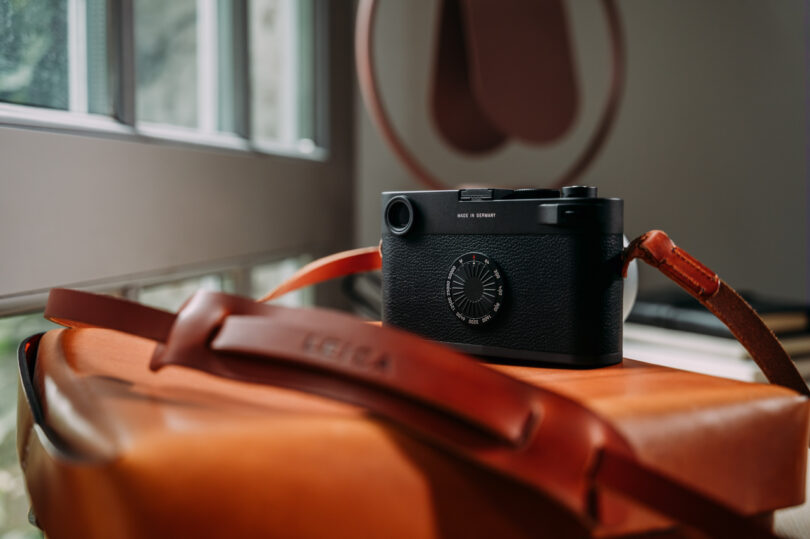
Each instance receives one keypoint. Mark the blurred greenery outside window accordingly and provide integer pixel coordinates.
(54, 54)
(13, 499)
(195, 66)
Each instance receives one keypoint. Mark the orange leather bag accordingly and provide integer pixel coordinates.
(238, 418)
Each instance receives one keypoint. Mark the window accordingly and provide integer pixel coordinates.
(153, 148)
(208, 123)
(196, 68)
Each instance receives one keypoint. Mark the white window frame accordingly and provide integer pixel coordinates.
(97, 202)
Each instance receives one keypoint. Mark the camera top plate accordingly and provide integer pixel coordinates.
(574, 210)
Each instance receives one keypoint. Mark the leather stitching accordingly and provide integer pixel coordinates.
(752, 333)
(692, 263)
(685, 278)
(677, 272)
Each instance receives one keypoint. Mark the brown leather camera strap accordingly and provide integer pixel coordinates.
(655, 248)
(529, 433)
(329, 267)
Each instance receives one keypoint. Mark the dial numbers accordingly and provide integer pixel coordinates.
(474, 289)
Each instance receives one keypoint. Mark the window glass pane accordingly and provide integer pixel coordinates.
(282, 68)
(230, 78)
(166, 61)
(54, 54)
(34, 53)
(98, 89)
(189, 65)
(13, 499)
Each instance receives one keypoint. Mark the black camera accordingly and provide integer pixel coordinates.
(528, 274)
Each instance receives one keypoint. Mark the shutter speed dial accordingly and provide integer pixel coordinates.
(474, 289)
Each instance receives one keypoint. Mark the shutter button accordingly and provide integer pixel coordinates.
(579, 191)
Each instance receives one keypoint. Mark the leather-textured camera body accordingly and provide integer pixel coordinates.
(527, 275)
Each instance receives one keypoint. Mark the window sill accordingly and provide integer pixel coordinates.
(79, 123)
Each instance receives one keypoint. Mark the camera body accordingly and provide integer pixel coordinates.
(531, 274)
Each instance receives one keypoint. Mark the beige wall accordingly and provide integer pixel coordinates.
(710, 143)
